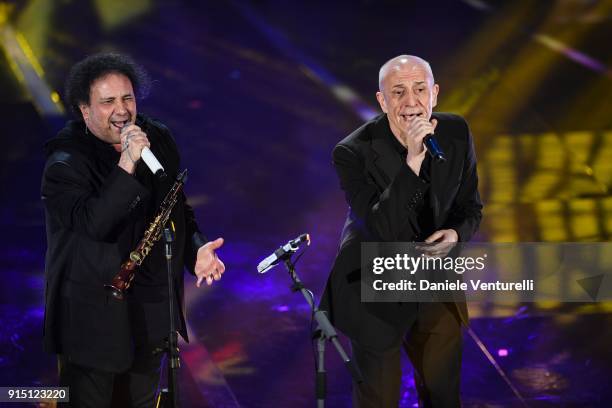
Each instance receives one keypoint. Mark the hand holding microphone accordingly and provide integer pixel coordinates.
(136, 146)
(431, 144)
(419, 139)
(414, 135)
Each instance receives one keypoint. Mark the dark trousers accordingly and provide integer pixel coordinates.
(90, 387)
(433, 345)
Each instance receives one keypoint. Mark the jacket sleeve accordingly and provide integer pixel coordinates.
(386, 213)
(466, 210)
(69, 198)
(194, 239)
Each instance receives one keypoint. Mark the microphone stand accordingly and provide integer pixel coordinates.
(169, 397)
(325, 331)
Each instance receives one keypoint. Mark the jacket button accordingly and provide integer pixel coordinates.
(134, 203)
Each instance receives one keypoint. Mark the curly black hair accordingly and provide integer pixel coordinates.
(87, 71)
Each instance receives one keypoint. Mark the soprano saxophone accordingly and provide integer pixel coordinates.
(122, 280)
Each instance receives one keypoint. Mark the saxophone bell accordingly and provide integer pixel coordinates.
(115, 292)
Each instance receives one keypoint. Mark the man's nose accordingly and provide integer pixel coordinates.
(410, 99)
(121, 107)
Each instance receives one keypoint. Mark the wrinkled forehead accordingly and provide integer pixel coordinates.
(405, 70)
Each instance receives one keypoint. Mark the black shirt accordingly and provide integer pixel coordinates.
(425, 223)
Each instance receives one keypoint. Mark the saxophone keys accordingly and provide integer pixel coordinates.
(135, 257)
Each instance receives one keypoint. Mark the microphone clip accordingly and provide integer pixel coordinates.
(282, 253)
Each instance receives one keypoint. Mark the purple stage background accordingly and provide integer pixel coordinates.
(257, 94)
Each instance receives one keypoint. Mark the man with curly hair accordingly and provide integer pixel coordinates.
(99, 198)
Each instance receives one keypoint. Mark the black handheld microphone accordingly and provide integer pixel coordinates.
(434, 149)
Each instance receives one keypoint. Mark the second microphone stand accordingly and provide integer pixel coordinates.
(325, 331)
(169, 398)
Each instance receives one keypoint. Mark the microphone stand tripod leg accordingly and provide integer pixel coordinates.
(321, 386)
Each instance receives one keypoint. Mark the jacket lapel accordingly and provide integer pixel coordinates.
(386, 163)
(435, 191)
(440, 173)
(385, 159)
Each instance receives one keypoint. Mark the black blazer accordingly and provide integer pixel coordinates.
(382, 193)
(95, 215)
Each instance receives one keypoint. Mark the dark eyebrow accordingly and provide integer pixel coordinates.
(112, 98)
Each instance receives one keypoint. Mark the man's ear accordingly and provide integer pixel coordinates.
(84, 111)
(434, 95)
(381, 101)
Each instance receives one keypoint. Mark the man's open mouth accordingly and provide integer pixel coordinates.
(119, 123)
(410, 116)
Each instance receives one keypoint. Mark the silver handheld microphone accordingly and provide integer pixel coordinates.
(149, 158)
(282, 253)
(152, 163)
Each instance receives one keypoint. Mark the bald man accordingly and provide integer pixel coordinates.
(397, 193)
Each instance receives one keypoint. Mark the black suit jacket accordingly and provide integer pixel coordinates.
(383, 193)
(95, 215)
